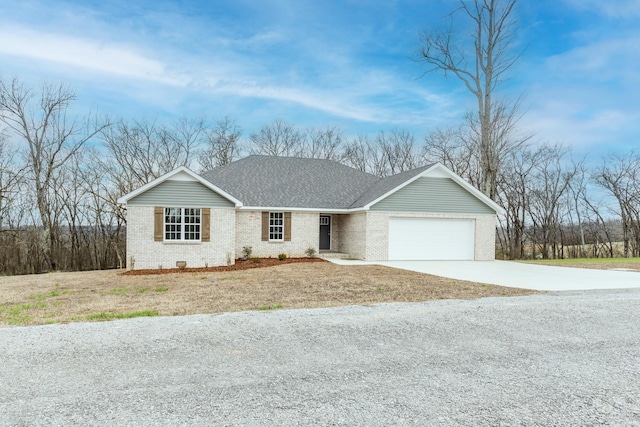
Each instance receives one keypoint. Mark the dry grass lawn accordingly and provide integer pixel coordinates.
(104, 295)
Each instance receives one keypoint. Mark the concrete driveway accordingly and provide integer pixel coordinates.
(519, 275)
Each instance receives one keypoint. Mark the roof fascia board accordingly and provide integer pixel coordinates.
(124, 199)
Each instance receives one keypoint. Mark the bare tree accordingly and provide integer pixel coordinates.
(141, 150)
(513, 195)
(548, 183)
(10, 181)
(577, 205)
(356, 153)
(222, 144)
(450, 148)
(390, 153)
(52, 137)
(278, 138)
(398, 150)
(481, 63)
(503, 140)
(324, 143)
(620, 176)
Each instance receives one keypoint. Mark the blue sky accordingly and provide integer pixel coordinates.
(317, 63)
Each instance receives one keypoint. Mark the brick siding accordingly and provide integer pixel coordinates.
(145, 253)
(305, 228)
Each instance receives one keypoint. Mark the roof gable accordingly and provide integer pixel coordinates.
(181, 174)
(436, 171)
(434, 195)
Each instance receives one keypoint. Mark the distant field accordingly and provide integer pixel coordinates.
(574, 250)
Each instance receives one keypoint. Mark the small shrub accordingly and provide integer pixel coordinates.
(181, 264)
(282, 257)
(311, 252)
(256, 260)
(247, 251)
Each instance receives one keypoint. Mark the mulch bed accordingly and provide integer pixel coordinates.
(239, 265)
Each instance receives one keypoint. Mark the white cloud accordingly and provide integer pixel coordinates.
(614, 58)
(618, 9)
(116, 60)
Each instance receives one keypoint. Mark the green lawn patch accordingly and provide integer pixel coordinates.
(584, 261)
(130, 315)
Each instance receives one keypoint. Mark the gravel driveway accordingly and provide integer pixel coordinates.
(553, 359)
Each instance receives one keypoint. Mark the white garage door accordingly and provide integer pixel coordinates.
(431, 239)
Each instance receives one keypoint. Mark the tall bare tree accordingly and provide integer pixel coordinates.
(10, 181)
(42, 120)
(513, 195)
(481, 63)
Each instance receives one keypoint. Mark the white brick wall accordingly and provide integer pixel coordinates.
(377, 235)
(348, 234)
(377, 248)
(144, 253)
(304, 234)
(362, 235)
(485, 249)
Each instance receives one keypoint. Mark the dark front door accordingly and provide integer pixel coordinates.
(325, 232)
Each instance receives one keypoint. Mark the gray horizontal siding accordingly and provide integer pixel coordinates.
(180, 193)
(435, 195)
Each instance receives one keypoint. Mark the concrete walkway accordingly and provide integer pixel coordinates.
(519, 275)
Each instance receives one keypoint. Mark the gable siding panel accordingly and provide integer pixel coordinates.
(436, 195)
(181, 193)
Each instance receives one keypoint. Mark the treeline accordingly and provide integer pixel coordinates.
(61, 175)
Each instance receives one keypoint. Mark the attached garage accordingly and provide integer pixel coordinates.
(431, 239)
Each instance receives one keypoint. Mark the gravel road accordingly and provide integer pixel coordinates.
(553, 359)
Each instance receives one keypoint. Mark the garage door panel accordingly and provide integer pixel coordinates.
(431, 239)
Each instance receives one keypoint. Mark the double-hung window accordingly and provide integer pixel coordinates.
(276, 226)
(182, 224)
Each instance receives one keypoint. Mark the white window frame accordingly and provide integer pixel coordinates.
(187, 225)
(276, 226)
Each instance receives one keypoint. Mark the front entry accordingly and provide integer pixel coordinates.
(325, 233)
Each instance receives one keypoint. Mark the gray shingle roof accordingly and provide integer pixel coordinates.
(292, 182)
